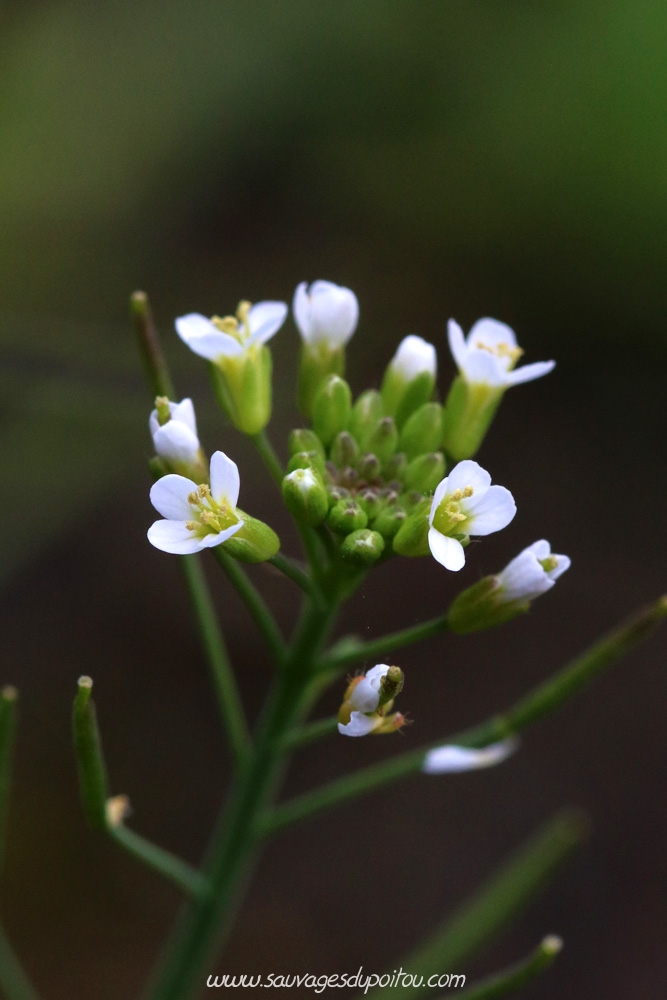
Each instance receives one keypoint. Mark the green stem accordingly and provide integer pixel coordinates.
(518, 975)
(13, 980)
(150, 347)
(543, 699)
(350, 650)
(229, 699)
(181, 874)
(255, 604)
(267, 451)
(310, 732)
(492, 908)
(8, 698)
(290, 570)
(235, 847)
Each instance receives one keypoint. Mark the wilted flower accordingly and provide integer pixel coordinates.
(464, 504)
(367, 700)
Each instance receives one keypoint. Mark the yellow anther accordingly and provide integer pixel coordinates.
(501, 350)
(457, 495)
(204, 491)
(208, 517)
(193, 498)
(453, 513)
(242, 311)
(191, 525)
(226, 324)
(468, 491)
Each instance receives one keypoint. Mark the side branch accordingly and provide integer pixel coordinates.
(349, 650)
(543, 699)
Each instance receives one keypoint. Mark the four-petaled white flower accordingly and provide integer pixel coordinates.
(325, 313)
(531, 573)
(197, 517)
(414, 356)
(176, 440)
(365, 697)
(464, 504)
(229, 336)
(451, 759)
(489, 353)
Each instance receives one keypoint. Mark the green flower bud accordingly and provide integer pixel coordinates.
(370, 502)
(242, 386)
(337, 493)
(254, 542)
(344, 450)
(305, 496)
(331, 408)
(469, 411)
(363, 547)
(412, 538)
(303, 439)
(425, 472)
(395, 468)
(308, 460)
(389, 521)
(369, 466)
(366, 412)
(410, 378)
(346, 516)
(422, 431)
(383, 439)
(317, 362)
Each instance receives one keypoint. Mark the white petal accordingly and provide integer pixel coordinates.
(264, 320)
(529, 372)
(334, 311)
(176, 442)
(492, 512)
(447, 551)
(169, 496)
(482, 366)
(469, 473)
(414, 356)
(359, 725)
(301, 311)
(184, 412)
(540, 549)
(564, 563)
(491, 333)
(450, 759)
(225, 480)
(377, 672)
(173, 537)
(457, 344)
(440, 493)
(204, 338)
(523, 579)
(211, 540)
(365, 697)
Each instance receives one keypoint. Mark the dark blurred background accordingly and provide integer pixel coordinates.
(441, 159)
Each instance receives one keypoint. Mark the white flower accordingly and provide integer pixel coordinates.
(197, 517)
(365, 697)
(489, 355)
(465, 503)
(531, 573)
(414, 356)
(176, 441)
(449, 759)
(325, 313)
(231, 336)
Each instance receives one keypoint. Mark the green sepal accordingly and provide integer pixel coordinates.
(481, 606)
(366, 412)
(401, 398)
(346, 516)
(344, 450)
(363, 547)
(331, 408)
(308, 460)
(382, 440)
(395, 468)
(389, 521)
(253, 543)
(303, 439)
(242, 387)
(422, 432)
(469, 412)
(412, 538)
(425, 472)
(316, 362)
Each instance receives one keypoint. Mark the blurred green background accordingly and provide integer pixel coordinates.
(440, 159)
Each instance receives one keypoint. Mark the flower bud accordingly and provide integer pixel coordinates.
(370, 502)
(344, 450)
(369, 467)
(326, 316)
(307, 460)
(409, 379)
(366, 412)
(331, 408)
(383, 439)
(346, 516)
(305, 496)
(425, 472)
(254, 542)
(396, 466)
(389, 521)
(303, 439)
(363, 547)
(422, 432)
(412, 538)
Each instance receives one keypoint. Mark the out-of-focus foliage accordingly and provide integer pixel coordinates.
(210, 151)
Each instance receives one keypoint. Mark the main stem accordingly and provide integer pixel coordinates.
(202, 926)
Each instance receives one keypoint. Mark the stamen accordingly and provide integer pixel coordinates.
(193, 498)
